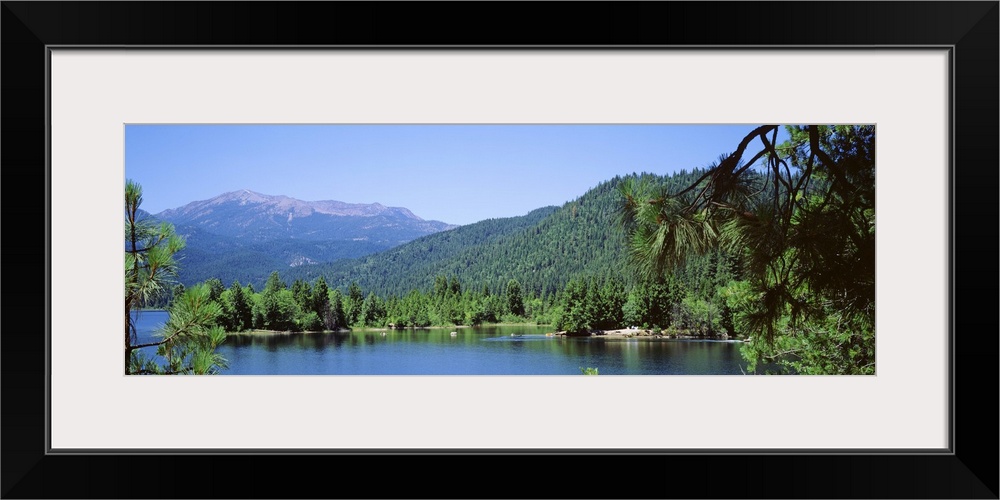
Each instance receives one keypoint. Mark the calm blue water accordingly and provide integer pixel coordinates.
(147, 323)
(472, 351)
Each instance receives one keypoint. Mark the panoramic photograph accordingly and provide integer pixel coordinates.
(576, 249)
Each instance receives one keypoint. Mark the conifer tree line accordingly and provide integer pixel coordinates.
(691, 303)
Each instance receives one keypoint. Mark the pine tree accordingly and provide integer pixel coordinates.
(189, 339)
(803, 224)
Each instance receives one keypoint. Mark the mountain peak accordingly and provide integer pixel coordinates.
(243, 195)
(246, 213)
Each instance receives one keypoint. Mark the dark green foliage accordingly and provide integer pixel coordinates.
(515, 303)
(373, 311)
(651, 303)
(611, 298)
(337, 318)
(579, 310)
(303, 294)
(275, 308)
(215, 288)
(415, 265)
(237, 308)
(802, 223)
(274, 283)
(319, 303)
(590, 303)
(353, 303)
(310, 322)
(410, 311)
(278, 311)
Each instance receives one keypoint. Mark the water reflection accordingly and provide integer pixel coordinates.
(493, 350)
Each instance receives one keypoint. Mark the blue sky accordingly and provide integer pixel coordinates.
(458, 174)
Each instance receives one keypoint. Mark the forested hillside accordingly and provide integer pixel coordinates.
(542, 250)
(212, 256)
(415, 264)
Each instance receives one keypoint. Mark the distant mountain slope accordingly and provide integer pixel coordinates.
(207, 255)
(256, 217)
(245, 235)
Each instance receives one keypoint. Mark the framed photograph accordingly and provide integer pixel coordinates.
(164, 87)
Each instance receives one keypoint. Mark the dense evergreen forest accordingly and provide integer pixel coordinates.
(414, 265)
(542, 250)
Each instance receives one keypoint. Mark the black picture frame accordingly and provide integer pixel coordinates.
(969, 470)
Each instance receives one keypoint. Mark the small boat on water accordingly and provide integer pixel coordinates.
(454, 334)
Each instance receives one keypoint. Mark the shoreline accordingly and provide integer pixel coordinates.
(620, 333)
(646, 334)
(453, 327)
(258, 331)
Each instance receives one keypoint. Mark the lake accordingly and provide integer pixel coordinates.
(488, 350)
